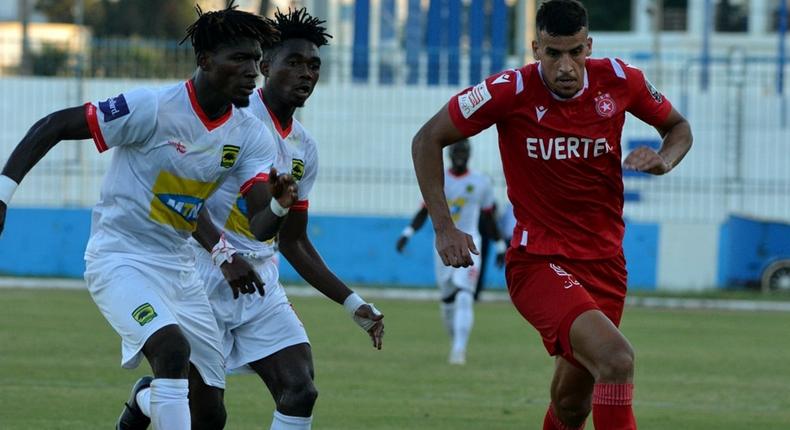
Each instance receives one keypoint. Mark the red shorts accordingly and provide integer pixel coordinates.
(551, 291)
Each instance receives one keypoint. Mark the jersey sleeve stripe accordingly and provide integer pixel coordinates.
(300, 206)
(519, 82)
(93, 126)
(618, 69)
(260, 177)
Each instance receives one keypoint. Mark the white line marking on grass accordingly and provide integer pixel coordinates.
(430, 294)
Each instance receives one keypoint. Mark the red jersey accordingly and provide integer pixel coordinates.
(562, 157)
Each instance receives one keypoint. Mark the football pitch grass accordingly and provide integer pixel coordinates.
(59, 369)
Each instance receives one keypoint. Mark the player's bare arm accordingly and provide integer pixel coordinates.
(66, 124)
(296, 246)
(676, 142)
(241, 276)
(268, 203)
(454, 246)
(416, 223)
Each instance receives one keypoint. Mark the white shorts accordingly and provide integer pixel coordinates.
(139, 297)
(449, 278)
(252, 327)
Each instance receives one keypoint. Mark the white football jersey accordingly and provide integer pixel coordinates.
(296, 154)
(467, 195)
(168, 159)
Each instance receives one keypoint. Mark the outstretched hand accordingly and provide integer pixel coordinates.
(283, 188)
(645, 159)
(455, 247)
(401, 243)
(241, 276)
(3, 208)
(372, 321)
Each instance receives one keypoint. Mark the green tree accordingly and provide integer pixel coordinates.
(145, 18)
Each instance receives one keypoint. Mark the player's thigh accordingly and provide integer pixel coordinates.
(197, 321)
(201, 395)
(287, 369)
(598, 344)
(129, 299)
(266, 326)
(548, 297)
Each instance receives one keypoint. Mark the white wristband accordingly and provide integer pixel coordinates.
(222, 252)
(7, 188)
(408, 231)
(352, 303)
(277, 209)
(500, 246)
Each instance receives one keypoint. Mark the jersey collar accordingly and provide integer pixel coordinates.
(556, 97)
(282, 132)
(208, 123)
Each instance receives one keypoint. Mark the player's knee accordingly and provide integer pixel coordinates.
(298, 399)
(617, 366)
(209, 418)
(168, 353)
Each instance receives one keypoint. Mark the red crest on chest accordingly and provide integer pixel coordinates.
(605, 105)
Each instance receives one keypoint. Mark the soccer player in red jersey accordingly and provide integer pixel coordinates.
(559, 123)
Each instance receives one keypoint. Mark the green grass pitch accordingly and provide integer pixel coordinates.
(59, 369)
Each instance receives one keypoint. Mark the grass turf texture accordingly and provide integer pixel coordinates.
(695, 369)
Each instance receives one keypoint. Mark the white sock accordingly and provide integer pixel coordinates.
(448, 310)
(463, 319)
(169, 401)
(287, 422)
(144, 401)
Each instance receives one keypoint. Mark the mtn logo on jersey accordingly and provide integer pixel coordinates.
(297, 168)
(114, 108)
(456, 205)
(605, 106)
(229, 154)
(237, 221)
(473, 99)
(177, 201)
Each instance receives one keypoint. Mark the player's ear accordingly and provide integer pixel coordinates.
(203, 61)
(535, 50)
(589, 46)
(265, 64)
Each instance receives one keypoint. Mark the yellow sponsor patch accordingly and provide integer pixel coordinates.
(229, 154)
(455, 208)
(297, 169)
(177, 201)
(237, 220)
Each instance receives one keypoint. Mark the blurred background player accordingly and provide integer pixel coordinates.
(264, 334)
(173, 146)
(470, 198)
(559, 123)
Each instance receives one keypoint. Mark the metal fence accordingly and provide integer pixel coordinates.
(739, 162)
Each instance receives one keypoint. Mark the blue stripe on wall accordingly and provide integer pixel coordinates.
(387, 43)
(413, 41)
(452, 28)
(360, 59)
(498, 36)
(45, 242)
(360, 250)
(476, 29)
(434, 41)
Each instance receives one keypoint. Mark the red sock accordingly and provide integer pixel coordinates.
(551, 422)
(612, 407)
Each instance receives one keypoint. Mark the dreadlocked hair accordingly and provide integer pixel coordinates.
(298, 24)
(228, 25)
